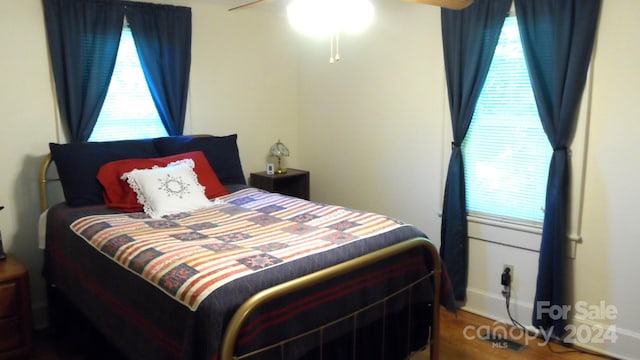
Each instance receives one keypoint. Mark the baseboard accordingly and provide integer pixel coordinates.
(493, 306)
(626, 344)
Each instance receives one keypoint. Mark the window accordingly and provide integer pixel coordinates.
(128, 111)
(506, 152)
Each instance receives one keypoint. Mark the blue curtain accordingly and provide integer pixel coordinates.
(79, 33)
(84, 36)
(163, 38)
(469, 39)
(557, 37)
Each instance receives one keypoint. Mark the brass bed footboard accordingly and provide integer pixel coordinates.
(278, 291)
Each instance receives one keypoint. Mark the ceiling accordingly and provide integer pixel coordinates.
(282, 4)
(269, 4)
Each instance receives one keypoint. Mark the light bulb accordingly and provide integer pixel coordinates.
(323, 18)
(313, 17)
(356, 15)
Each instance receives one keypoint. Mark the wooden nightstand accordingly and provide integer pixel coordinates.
(294, 182)
(15, 310)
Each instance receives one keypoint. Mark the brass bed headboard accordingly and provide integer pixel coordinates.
(44, 180)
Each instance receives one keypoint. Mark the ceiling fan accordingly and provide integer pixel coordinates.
(449, 4)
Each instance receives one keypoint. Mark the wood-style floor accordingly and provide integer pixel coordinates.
(456, 343)
(460, 344)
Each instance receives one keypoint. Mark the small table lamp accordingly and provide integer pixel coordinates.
(279, 150)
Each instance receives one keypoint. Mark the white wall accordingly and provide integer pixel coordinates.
(606, 265)
(27, 125)
(371, 129)
(371, 125)
(244, 79)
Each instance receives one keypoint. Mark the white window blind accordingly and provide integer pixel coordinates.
(506, 152)
(128, 111)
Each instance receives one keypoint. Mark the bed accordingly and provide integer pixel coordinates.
(248, 275)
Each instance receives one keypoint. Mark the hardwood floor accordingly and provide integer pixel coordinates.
(459, 341)
(456, 343)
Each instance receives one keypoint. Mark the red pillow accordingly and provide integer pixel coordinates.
(119, 195)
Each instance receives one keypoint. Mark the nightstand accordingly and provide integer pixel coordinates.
(15, 310)
(294, 182)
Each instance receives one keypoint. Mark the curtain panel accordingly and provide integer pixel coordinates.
(469, 39)
(557, 38)
(83, 38)
(163, 38)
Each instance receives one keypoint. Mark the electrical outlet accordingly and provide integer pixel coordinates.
(511, 273)
(506, 280)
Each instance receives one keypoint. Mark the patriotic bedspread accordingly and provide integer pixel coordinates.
(190, 255)
(166, 288)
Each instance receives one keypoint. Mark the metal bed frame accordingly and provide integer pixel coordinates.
(259, 299)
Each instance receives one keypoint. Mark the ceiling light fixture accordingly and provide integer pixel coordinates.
(328, 18)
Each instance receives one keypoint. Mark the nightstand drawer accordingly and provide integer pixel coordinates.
(11, 334)
(8, 299)
(16, 329)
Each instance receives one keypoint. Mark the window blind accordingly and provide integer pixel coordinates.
(506, 153)
(128, 111)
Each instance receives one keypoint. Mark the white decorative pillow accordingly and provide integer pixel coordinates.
(168, 190)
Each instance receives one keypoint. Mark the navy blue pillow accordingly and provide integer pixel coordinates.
(78, 165)
(221, 151)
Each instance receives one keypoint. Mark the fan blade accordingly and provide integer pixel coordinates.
(246, 5)
(449, 4)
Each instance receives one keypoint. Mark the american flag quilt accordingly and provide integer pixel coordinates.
(190, 255)
(144, 282)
